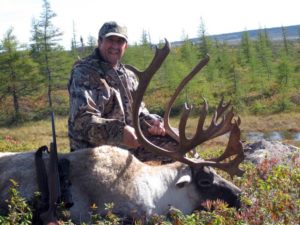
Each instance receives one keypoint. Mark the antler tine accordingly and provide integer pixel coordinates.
(215, 128)
(186, 144)
(167, 125)
(225, 125)
(221, 108)
(182, 126)
(233, 139)
(234, 147)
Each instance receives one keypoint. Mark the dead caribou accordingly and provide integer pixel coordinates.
(110, 174)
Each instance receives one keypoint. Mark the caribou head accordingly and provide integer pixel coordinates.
(210, 185)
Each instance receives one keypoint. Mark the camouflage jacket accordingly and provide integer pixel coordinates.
(100, 102)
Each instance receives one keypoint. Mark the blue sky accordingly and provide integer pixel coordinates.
(171, 19)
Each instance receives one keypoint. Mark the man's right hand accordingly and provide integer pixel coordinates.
(129, 137)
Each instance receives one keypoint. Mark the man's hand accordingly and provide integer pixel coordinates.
(130, 138)
(157, 128)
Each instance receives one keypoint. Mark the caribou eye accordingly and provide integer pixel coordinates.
(204, 183)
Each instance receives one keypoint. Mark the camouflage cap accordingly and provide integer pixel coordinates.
(112, 29)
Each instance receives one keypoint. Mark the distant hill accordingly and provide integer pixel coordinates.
(275, 33)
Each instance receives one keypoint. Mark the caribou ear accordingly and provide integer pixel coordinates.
(183, 180)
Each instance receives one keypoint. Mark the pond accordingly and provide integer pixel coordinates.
(253, 136)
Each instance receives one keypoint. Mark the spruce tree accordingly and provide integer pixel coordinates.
(19, 74)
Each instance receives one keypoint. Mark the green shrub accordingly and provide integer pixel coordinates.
(19, 210)
(258, 107)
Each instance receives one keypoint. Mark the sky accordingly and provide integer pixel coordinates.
(170, 19)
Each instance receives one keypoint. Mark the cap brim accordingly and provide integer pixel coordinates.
(115, 34)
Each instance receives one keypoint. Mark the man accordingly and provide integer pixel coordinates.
(100, 90)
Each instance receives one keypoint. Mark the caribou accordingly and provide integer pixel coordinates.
(109, 174)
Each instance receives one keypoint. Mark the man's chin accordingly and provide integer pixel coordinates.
(114, 61)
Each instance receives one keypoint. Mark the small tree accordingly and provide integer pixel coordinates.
(45, 44)
(264, 52)
(91, 43)
(247, 56)
(204, 41)
(74, 43)
(18, 72)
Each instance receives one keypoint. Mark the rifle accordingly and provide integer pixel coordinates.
(49, 217)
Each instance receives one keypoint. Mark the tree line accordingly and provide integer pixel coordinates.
(258, 75)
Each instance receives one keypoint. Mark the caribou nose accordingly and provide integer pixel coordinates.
(233, 200)
(236, 194)
(230, 193)
(238, 202)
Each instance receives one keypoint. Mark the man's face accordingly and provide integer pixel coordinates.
(112, 49)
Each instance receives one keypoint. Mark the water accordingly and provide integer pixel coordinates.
(296, 137)
(254, 136)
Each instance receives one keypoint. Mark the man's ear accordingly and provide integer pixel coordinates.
(99, 41)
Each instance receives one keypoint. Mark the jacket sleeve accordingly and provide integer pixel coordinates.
(96, 112)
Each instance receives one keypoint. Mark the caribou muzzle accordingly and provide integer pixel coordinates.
(213, 187)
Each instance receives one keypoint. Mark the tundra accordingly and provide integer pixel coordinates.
(109, 174)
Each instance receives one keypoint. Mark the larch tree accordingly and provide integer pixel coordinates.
(285, 59)
(204, 41)
(206, 48)
(247, 51)
(264, 52)
(45, 38)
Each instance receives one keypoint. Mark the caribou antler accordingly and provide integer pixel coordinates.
(227, 123)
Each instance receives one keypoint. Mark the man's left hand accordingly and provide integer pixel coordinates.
(157, 128)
